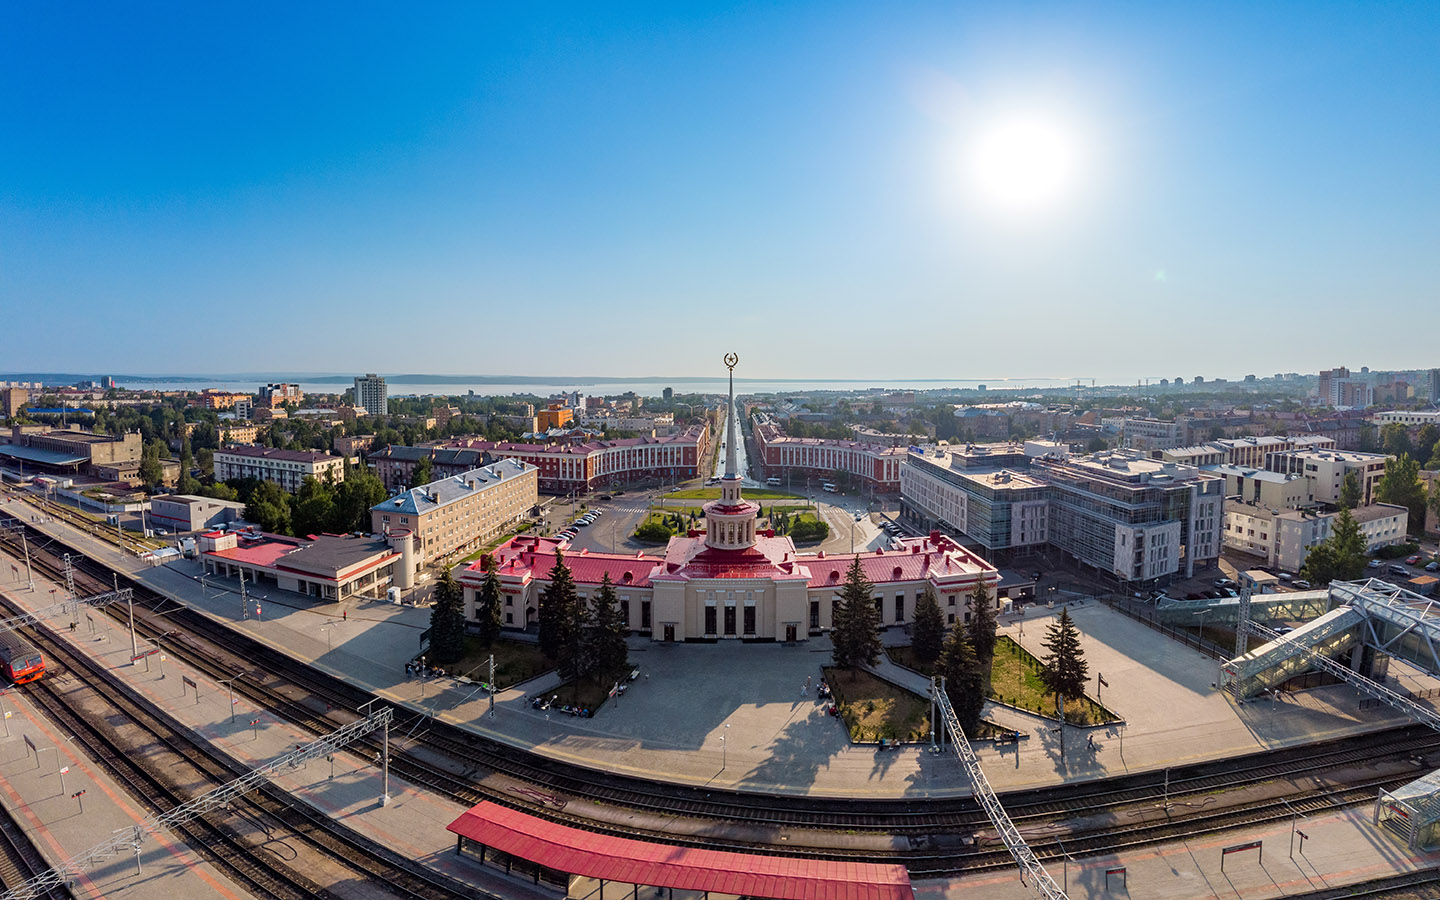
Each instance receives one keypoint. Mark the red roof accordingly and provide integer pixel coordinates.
(538, 556)
(630, 861)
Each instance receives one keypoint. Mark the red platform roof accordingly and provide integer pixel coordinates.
(629, 861)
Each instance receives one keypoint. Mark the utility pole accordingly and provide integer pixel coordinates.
(130, 613)
(491, 681)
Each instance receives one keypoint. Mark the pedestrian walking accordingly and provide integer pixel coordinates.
(344, 615)
(1091, 741)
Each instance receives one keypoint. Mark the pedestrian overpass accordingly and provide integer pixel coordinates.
(1361, 626)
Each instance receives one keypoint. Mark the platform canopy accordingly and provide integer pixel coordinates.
(41, 455)
(628, 861)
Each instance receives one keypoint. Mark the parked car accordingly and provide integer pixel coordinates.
(1302, 584)
(1413, 560)
(1432, 566)
(606, 497)
(1399, 570)
(1224, 583)
(1374, 564)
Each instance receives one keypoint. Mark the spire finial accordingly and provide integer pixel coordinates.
(731, 361)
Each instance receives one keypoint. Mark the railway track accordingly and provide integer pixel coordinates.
(266, 842)
(20, 859)
(936, 836)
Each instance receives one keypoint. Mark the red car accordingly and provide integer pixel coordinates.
(1413, 560)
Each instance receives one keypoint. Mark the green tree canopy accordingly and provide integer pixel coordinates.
(269, 507)
(964, 680)
(151, 472)
(1401, 485)
(1395, 439)
(610, 653)
(1425, 441)
(1350, 493)
(354, 496)
(447, 621)
(1064, 669)
(314, 506)
(856, 636)
(927, 633)
(488, 601)
(982, 629)
(556, 613)
(424, 472)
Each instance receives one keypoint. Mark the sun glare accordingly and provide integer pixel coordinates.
(1023, 165)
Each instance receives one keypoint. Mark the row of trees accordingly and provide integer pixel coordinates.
(319, 506)
(1340, 557)
(585, 640)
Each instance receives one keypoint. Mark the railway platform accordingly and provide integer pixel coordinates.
(1262, 863)
(43, 801)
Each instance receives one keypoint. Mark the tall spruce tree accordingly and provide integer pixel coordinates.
(487, 605)
(556, 612)
(447, 621)
(927, 633)
(983, 624)
(964, 683)
(1064, 669)
(856, 638)
(611, 653)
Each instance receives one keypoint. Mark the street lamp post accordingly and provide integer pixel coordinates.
(724, 747)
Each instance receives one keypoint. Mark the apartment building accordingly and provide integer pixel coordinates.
(287, 468)
(1151, 434)
(1408, 417)
(1326, 469)
(1284, 538)
(554, 416)
(456, 514)
(396, 465)
(371, 395)
(1263, 487)
(273, 395)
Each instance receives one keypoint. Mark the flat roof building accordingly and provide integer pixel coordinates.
(454, 515)
(329, 566)
(287, 468)
(1325, 470)
(187, 512)
(371, 395)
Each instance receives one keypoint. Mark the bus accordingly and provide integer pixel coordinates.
(19, 659)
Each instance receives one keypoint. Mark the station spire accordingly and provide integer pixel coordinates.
(731, 419)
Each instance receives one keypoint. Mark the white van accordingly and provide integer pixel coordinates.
(773, 481)
(830, 487)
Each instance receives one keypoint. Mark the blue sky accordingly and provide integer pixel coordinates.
(596, 189)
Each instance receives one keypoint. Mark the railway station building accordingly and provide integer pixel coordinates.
(328, 566)
(733, 581)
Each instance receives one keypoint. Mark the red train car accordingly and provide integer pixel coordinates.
(19, 660)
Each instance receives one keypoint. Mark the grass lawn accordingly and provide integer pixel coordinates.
(713, 493)
(1015, 679)
(515, 661)
(874, 709)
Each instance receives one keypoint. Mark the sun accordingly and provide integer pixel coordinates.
(1023, 164)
